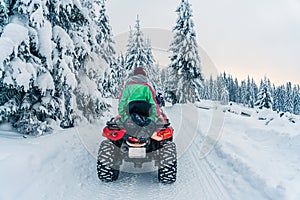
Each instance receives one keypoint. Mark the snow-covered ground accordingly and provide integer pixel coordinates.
(222, 154)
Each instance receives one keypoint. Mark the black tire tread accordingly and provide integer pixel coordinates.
(167, 169)
(106, 170)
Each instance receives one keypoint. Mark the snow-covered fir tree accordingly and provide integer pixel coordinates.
(211, 88)
(151, 68)
(237, 91)
(231, 89)
(121, 62)
(288, 98)
(168, 87)
(264, 98)
(243, 93)
(205, 93)
(113, 78)
(279, 100)
(104, 34)
(275, 105)
(48, 55)
(21, 72)
(248, 93)
(3, 15)
(252, 93)
(64, 76)
(296, 100)
(148, 48)
(129, 44)
(156, 78)
(139, 54)
(224, 94)
(136, 54)
(185, 59)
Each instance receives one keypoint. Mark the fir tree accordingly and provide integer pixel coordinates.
(113, 78)
(296, 100)
(244, 92)
(104, 35)
(237, 91)
(205, 94)
(288, 99)
(156, 78)
(280, 97)
(275, 98)
(3, 15)
(121, 71)
(86, 55)
(264, 98)
(211, 88)
(54, 48)
(136, 55)
(152, 69)
(224, 94)
(20, 73)
(249, 95)
(64, 75)
(254, 90)
(139, 54)
(185, 60)
(129, 45)
(231, 89)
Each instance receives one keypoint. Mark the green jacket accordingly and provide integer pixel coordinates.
(138, 89)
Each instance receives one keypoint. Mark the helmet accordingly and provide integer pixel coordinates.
(139, 70)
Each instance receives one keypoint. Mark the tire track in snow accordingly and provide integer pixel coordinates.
(195, 146)
(214, 187)
(195, 179)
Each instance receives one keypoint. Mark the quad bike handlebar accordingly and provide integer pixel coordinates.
(119, 124)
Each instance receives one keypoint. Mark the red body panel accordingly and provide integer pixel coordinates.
(113, 135)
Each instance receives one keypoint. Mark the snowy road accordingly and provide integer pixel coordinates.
(210, 165)
(195, 179)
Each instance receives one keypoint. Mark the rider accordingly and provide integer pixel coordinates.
(138, 90)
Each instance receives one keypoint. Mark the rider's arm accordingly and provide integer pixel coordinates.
(155, 108)
(123, 103)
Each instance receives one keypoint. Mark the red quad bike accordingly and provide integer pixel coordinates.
(137, 140)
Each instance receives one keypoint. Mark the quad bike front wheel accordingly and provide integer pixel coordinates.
(167, 168)
(106, 169)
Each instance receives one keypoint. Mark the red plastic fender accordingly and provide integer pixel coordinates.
(113, 135)
(163, 134)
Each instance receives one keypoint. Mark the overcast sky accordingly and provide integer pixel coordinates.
(258, 37)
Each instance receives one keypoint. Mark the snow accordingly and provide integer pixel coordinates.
(68, 3)
(68, 74)
(16, 33)
(45, 42)
(62, 36)
(37, 18)
(45, 82)
(13, 35)
(88, 87)
(7, 47)
(222, 154)
(22, 73)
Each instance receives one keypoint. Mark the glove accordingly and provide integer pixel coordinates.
(161, 118)
(116, 118)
